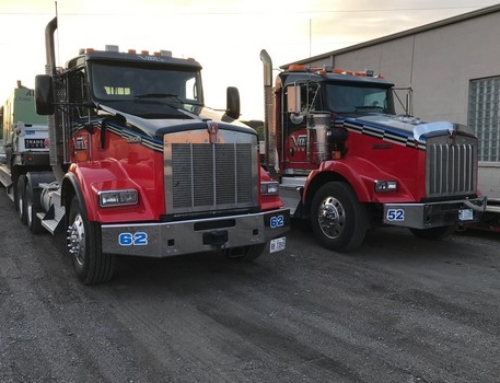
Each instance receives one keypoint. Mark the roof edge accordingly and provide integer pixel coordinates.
(422, 28)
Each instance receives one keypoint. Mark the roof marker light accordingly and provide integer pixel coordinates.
(297, 67)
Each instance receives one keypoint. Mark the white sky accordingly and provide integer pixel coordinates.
(225, 36)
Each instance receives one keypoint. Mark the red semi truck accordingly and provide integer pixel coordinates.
(141, 167)
(346, 161)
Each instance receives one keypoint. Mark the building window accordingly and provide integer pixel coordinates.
(483, 116)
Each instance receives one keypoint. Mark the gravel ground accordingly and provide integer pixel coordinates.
(399, 310)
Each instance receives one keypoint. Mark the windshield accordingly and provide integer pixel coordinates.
(356, 98)
(125, 83)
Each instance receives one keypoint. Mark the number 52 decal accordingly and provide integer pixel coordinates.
(395, 215)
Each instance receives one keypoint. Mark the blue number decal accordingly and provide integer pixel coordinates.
(137, 239)
(395, 215)
(125, 239)
(278, 221)
(141, 238)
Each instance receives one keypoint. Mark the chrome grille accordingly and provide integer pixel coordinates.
(451, 167)
(211, 177)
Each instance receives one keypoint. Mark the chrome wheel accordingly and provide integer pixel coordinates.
(76, 240)
(84, 240)
(331, 217)
(338, 219)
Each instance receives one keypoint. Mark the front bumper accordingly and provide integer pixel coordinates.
(164, 239)
(435, 214)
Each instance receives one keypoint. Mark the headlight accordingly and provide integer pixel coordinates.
(385, 186)
(269, 188)
(110, 198)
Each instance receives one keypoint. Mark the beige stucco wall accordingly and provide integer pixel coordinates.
(438, 64)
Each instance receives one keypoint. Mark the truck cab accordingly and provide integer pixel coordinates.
(346, 161)
(141, 167)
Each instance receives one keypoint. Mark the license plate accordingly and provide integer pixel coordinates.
(277, 244)
(465, 215)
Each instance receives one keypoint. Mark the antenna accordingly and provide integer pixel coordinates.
(310, 37)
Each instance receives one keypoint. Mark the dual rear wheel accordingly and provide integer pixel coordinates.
(27, 201)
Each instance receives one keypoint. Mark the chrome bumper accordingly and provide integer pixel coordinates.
(164, 239)
(435, 214)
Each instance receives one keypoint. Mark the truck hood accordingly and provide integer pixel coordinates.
(155, 126)
(409, 127)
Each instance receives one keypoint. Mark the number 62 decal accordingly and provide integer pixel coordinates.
(395, 215)
(278, 221)
(133, 239)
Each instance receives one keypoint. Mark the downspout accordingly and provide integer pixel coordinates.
(50, 69)
(271, 160)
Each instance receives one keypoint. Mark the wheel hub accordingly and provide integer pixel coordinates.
(331, 217)
(76, 239)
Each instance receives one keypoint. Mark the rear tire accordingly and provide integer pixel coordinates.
(338, 219)
(32, 203)
(20, 198)
(84, 240)
(435, 233)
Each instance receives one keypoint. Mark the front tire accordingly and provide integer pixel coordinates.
(84, 240)
(338, 219)
(246, 253)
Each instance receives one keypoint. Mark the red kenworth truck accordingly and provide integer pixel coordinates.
(141, 167)
(346, 161)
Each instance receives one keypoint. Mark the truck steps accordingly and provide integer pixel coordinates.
(53, 220)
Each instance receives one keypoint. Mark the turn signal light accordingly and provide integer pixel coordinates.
(382, 186)
(269, 188)
(111, 198)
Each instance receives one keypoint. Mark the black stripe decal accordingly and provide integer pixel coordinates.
(386, 136)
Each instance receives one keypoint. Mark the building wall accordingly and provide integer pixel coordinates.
(438, 64)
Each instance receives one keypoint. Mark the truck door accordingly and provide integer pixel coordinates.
(78, 115)
(299, 101)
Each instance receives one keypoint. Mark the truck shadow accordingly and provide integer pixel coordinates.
(382, 247)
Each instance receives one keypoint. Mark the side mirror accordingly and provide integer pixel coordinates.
(294, 104)
(44, 95)
(233, 108)
(293, 99)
